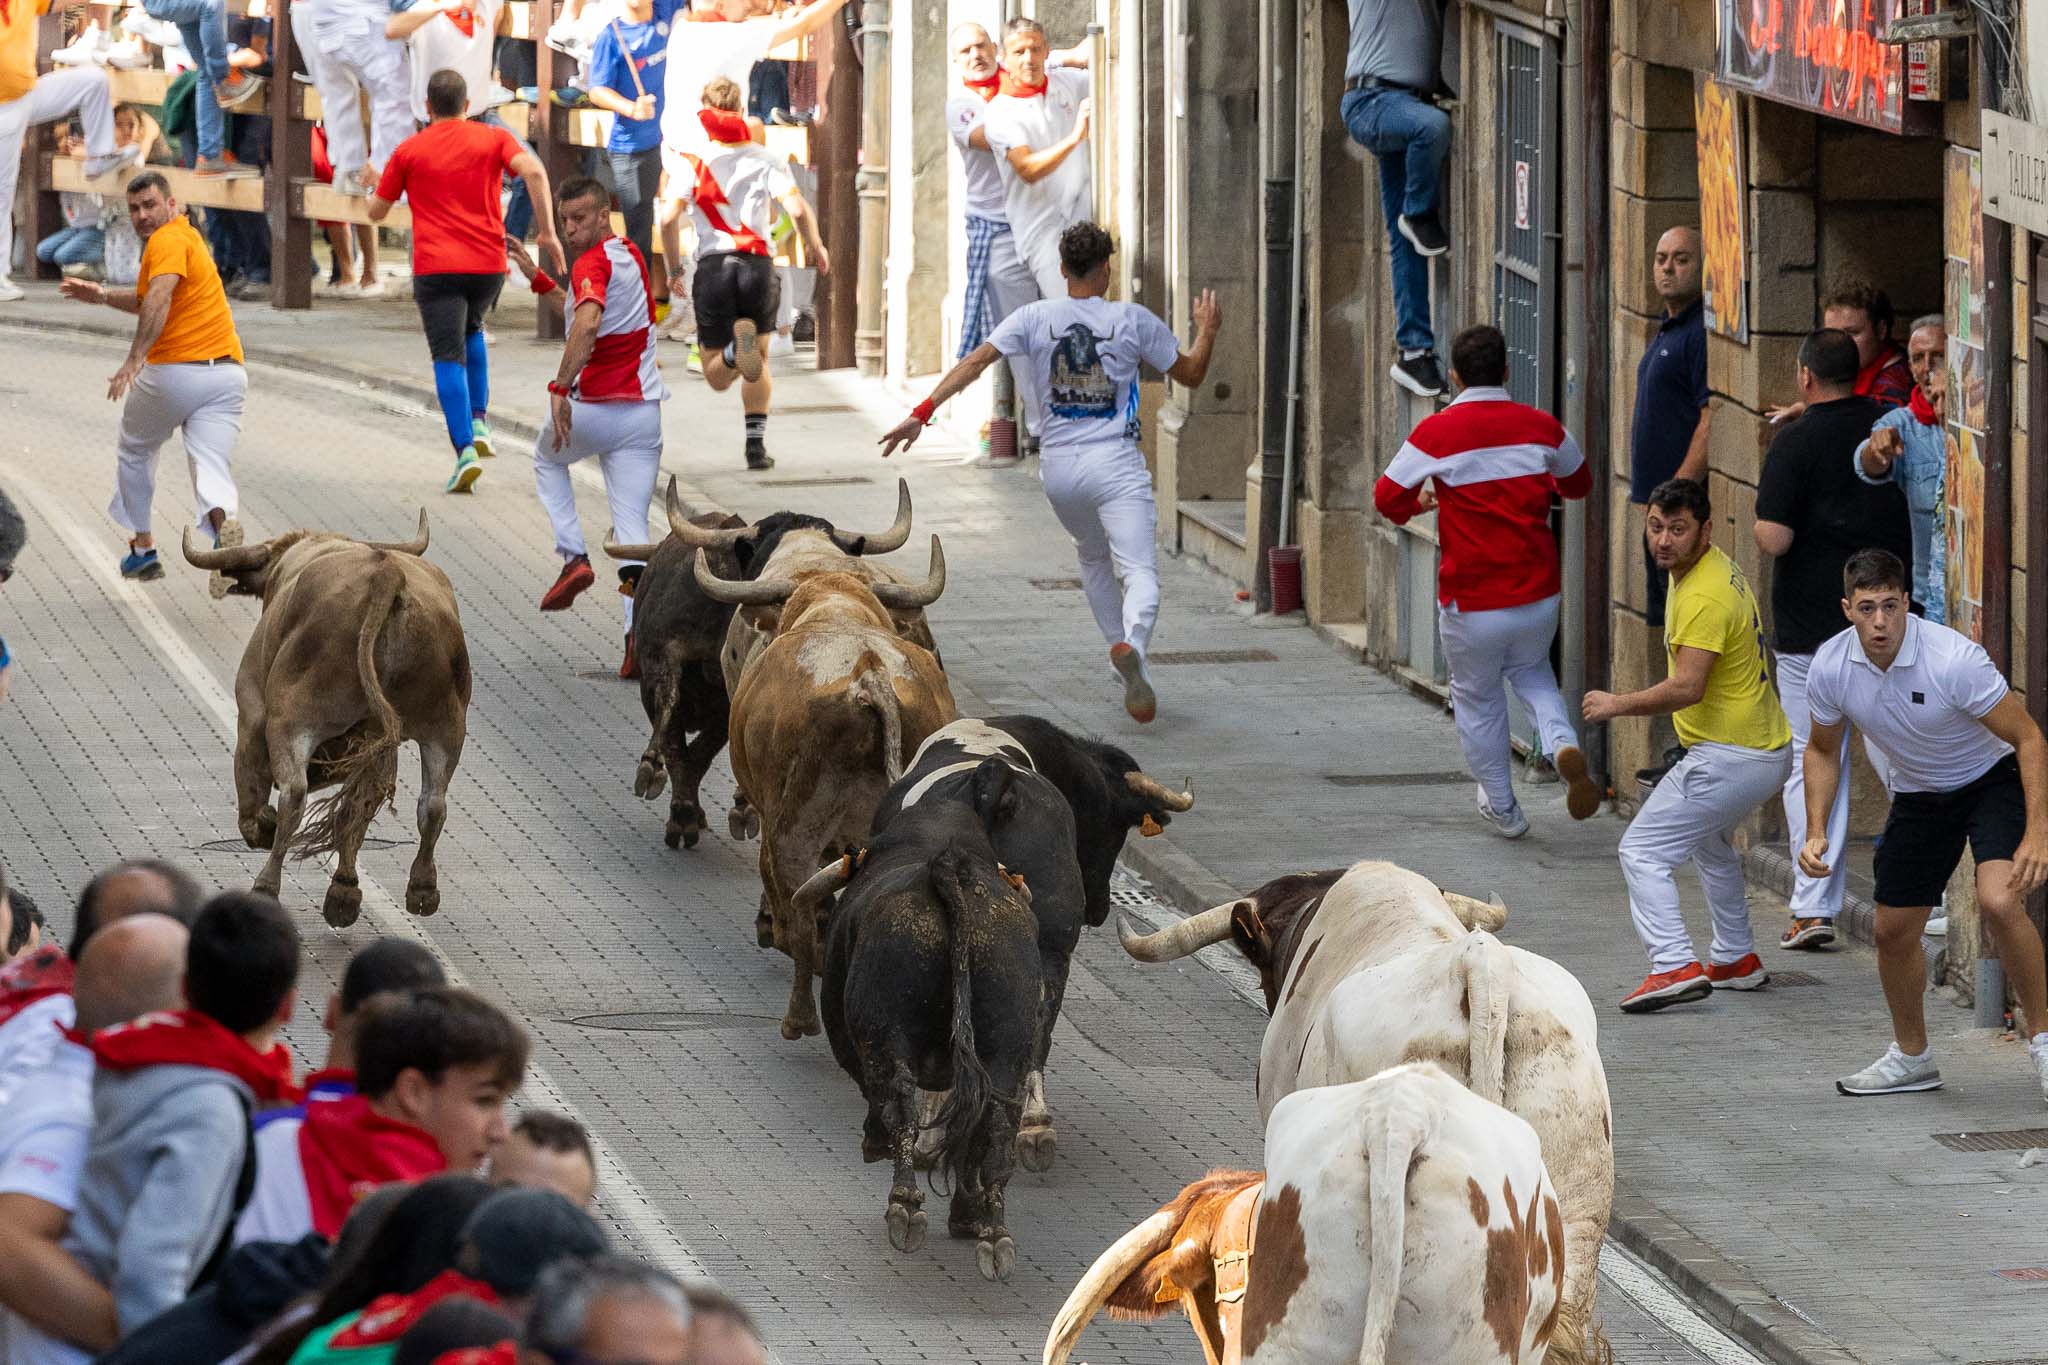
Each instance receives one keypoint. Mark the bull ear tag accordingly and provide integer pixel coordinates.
(1149, 826)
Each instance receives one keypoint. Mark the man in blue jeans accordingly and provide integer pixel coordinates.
(203, 25)
(1390, 75)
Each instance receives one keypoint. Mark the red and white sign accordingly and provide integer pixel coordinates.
(1522, 195)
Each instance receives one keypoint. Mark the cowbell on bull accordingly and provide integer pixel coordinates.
(359, 648)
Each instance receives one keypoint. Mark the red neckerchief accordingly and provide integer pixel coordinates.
(37, 976)
(347, 1149)
(390, 1315)
(1922, 410)
(987, 86)
(1866, 378)
(464, 19)
(1012, 86)
(710, 195)
(504, 1353)
(189, 1038)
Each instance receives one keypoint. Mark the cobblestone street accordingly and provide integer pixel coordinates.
(1823, 1224)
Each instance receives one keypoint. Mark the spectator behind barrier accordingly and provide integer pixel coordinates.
(548, 1151)
(385, 964)
(21, 923)
(609, 1308)
(452, 1325)
(722, 1332)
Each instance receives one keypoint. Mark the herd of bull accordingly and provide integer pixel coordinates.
(1439, 1163)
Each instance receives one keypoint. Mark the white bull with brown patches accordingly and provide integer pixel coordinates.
(1374, 967)
(1399, 1219)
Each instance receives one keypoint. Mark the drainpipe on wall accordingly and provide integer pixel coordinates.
(1279, 118)
(872, 186)
(1595, 377)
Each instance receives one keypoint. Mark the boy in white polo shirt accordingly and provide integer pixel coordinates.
(1967, 762)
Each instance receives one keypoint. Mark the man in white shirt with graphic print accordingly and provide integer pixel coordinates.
(1080, 354)
(1966, 763)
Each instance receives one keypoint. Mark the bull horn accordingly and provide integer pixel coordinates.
(240, 559)
(1178, 940)
(693, 535)
(1476, 914)
(416, 546)
(901, 596)
(823, 883)
(618, 551)
(1172, 800)
(894, 538)
(1110, 1270)
(769, 592)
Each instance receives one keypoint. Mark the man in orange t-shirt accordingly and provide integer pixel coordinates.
(183, 373)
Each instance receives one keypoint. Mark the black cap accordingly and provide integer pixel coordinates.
(516, 1234)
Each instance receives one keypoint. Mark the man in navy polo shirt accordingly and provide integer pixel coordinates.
(1668, 436)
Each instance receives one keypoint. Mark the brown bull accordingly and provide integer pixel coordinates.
(359, 649)
(824, 719)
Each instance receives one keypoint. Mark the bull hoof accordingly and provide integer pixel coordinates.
(261, 831)
(742, 823)
(344, 904)
(673, 834)
(648, 781)
(764, 932)
(906, 1227)
(996, 1259)
(793, 1029)
(1037, 1148)
(422, 900)
(690, 837)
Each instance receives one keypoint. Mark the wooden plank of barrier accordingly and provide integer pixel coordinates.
(320, 202)
(244, 193)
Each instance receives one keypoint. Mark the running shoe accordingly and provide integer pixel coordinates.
(1139, 699)
(468, 469)
(238, 91)
(10, 291)
(746, 349)
(631, 667)
(1893, 1074)
(218, 584)
(1744, 974)
(569, 97)
(1582, 794)
(126, 54)
(118, 159)
(1810, 934)
(758, 457)
(1425, 232)
(1509, 824)
(2038, 1050)
(1420, 374)
(480, 438)
(576, 575)
(1661, 990)
(89, 49)
(220, 168)
(142, 565)
(373, 290)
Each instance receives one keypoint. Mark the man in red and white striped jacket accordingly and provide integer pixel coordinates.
(1495, 465)
(605, 401)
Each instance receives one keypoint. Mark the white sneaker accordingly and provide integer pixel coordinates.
(2038, 1050)
(498, 95)
(119, 159)
(1893, 1074)
(1511, 825)
(126, 55)
(137, 23)
(86, 50)
(565, 36)
(10, 291)
(1937, 926)
(373, 290)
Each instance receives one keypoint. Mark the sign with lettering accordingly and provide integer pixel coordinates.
(1522, 196)
(2016, 172)
(1825, 55)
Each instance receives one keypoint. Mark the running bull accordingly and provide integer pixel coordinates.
(1061, 826)
(823, 721)
(1408, 1187)
(1334, 948)
(359, 648)
(933, 982)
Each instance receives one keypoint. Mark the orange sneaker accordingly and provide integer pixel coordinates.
(1744, 974)
(1808, 934)
(1662, 989)
(576, 576)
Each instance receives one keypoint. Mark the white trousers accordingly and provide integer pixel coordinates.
(346, 50)
(625, 438)
(203, 403)
(1011, 285)
(1103, 496)
(1690, 815)
(1815, 897)
(1486, 649)
(67, 90)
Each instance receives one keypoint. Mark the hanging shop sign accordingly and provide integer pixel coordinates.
(2016, 172)
(1825, 55)
(1964, 177)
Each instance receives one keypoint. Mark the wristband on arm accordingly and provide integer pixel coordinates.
(542, 282)
(923, 412)
(557, 387)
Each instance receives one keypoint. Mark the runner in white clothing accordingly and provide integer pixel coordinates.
(346, 50)
(1037, 126)
(1082, 354)
(1964, 762)
(448, 35)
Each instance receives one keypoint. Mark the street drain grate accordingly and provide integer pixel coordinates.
(1057, 584)
(2010, 1140)
(238, 846)
(671, 1021)
(1782, 977)
(1213, 656)
(1443, 779)
(822, 481)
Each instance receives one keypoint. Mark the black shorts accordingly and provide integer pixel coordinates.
(731, 285)
(1923, 838)
(453, 306)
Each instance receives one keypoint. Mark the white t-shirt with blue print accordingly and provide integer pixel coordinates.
(1081, 359)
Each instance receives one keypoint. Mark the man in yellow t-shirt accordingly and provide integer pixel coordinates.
(1738, 753)
(183, 373)
(26, 100)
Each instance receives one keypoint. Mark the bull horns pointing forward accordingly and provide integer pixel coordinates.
(853, 542)
(1178, 801)
(1110, 1270)
(774, 592)
(242, 558)
(1192, 934)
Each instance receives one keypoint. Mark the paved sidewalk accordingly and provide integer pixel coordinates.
(1820, 1228)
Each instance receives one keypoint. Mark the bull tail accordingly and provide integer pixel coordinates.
(1483, 959)
(966, 1104)
(365, 772)
(873, 690)
(1396, 1132)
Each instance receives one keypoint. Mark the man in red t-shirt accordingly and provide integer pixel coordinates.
(450, 173)
(1496, 464)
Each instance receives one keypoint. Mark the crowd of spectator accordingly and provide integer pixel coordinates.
(175, 1191)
